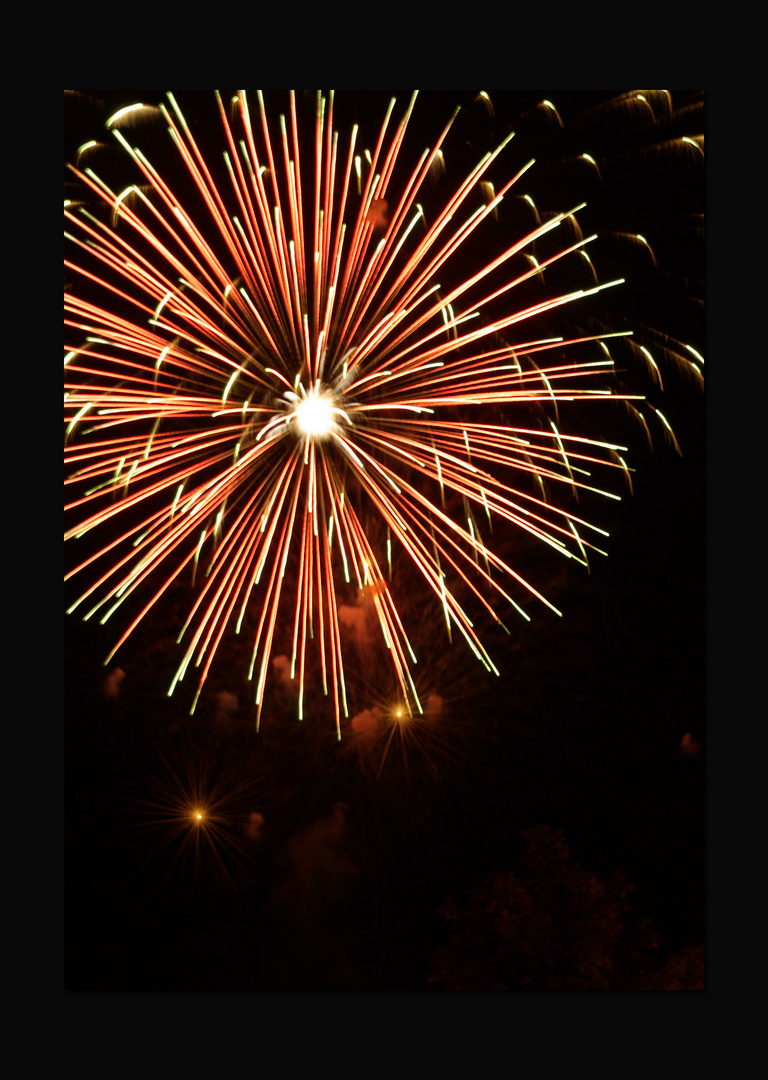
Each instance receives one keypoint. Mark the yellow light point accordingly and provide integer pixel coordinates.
(698, 355)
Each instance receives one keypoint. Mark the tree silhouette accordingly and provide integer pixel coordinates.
(554, 927)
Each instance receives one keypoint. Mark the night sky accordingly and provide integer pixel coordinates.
(331, 859)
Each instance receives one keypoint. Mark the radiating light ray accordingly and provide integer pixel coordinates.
(196, 808)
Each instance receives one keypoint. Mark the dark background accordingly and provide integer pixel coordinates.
(338, 886)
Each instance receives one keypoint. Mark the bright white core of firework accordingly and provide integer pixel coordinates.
(314, 413)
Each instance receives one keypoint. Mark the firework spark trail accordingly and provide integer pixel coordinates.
(206, 393)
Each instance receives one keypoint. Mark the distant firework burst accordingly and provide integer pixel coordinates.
(200, 810)
(286, 375)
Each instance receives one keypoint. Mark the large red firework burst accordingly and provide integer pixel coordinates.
(285, 374)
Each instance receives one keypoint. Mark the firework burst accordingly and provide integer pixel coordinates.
(286, 378)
